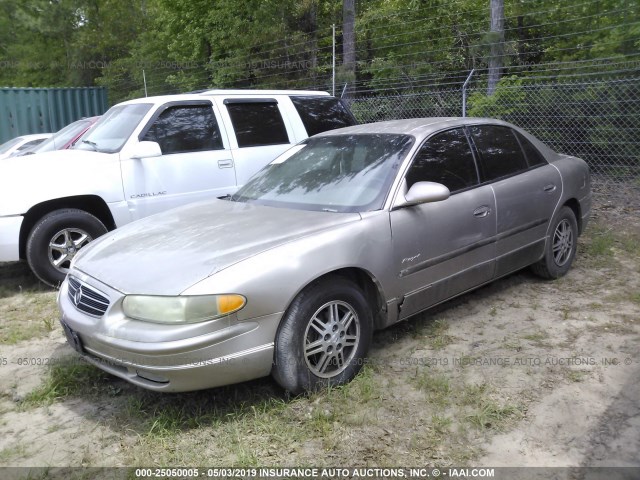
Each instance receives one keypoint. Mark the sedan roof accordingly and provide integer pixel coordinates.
(418, 127)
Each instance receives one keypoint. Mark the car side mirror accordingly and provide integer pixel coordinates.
(423, 192)
(146, 150)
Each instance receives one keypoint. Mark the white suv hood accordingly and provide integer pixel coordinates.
(31, 179)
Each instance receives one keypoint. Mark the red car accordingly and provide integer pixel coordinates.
(64, 138)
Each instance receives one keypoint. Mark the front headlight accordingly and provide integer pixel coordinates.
(181, 309)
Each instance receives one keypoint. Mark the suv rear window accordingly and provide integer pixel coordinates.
(257, 123)
(320, 114)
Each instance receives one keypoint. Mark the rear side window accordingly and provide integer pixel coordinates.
(185, 128)
(445, 158)
(320, 114)
(500, 152)
(257, 123)
(534, 157)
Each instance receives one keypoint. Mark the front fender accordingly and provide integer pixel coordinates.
(31, 180)
(271, 280)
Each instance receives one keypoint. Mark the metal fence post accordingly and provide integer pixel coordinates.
(464, 93)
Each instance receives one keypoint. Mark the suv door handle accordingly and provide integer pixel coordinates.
(482, 211)
(550, 188)
(228, 163)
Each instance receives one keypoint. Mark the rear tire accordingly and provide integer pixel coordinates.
(56, 238)
(561, 246)
(323, 337)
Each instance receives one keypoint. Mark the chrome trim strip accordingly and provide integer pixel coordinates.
(98, 358)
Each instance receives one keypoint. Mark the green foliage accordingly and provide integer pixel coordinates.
(181, 45)
(505, 100)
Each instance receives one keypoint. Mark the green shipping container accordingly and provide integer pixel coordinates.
(39, 110)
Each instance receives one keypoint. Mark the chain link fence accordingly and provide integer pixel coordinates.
(598, 121)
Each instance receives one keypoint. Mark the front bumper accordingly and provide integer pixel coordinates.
(10, 238)
(169, 358)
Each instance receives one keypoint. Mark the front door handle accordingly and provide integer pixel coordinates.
(482, 211)
(549, 188)
(228, 163)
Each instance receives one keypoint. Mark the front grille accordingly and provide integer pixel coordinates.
(87, 299)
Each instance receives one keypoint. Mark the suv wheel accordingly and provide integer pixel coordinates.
(56, 238)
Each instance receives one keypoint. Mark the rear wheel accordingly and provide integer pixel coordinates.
(56, 238)
(323, 337)
(561, 247)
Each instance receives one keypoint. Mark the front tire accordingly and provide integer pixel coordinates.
(56, 238)
(323, 338)
(561, 247)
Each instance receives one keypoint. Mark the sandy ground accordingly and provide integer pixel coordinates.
(532, 373)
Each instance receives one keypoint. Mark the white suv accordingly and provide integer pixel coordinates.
(145, 156)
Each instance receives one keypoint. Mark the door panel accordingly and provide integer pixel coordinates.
(525, 205)
(196, 162)
(526, 189)
(444, 248)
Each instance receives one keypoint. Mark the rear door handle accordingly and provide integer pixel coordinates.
(549, 188)
(481, 211)
(228, 163)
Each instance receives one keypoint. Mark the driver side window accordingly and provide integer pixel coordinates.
(445, 158)
(184, 129)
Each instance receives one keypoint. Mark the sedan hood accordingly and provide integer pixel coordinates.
(169, 252)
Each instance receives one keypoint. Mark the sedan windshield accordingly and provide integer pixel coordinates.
(336, 173)
(114, 128)
(61, 137)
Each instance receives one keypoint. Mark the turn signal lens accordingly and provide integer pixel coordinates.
(230, 303)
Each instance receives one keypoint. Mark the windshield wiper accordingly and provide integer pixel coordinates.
(94, 145)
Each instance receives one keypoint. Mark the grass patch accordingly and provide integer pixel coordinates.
(489, 415)
(14, 451)
(575, 376)
(599, 242)
(629, 244)
(27, 307)
(70, 377)
(441, 424)
(363, 389)
(471, 393)
(436, 334)
(26, 316)
(436, 387)
(538, 338)
(247, 424)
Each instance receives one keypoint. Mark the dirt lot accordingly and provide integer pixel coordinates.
(521, 372)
